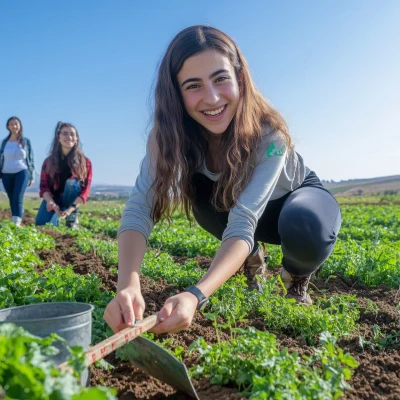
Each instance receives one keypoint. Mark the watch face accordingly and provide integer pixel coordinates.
(202, 304)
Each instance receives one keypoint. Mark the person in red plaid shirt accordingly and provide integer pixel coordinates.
(65, 178)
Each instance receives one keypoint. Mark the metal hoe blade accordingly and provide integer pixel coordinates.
(157, 362)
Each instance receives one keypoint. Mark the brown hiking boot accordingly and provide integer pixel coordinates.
(254, 265)
(296, 287)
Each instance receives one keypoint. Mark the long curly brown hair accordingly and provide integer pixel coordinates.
(176, 143)
(75, 158)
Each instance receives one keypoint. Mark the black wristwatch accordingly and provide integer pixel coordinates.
(74, 205)
(203, 300)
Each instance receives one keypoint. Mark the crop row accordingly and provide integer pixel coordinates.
(26, 371)
(25, 285)
(367, 249)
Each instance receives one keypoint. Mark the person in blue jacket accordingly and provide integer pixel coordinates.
(17, 167)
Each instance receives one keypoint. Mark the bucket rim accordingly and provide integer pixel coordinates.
(90, 309)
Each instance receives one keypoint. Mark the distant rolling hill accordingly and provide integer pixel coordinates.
(369, 186)
(351, 187)
(95, 189)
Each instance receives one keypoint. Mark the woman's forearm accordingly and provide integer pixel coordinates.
(131, 249)
(228, 260)
(47, 196)
(78, 201)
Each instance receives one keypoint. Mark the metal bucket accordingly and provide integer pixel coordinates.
(71, 321)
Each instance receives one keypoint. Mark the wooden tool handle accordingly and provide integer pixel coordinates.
(116, 341)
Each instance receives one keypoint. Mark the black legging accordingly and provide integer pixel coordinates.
(304, 222)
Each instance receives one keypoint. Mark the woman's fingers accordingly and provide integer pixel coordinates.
(164, 318)
(112, 315)
(166, 311)
(63, 214)
(123, 309)
(138, 308)
(177, 314)
(126, 306)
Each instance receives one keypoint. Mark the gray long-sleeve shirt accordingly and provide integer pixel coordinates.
(277, 172)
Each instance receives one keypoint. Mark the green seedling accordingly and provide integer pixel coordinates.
(253, 362)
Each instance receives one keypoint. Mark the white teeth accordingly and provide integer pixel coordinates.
(216, 112)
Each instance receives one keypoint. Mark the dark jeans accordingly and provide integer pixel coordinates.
(15, 186)
(72, 190)
(304, 222)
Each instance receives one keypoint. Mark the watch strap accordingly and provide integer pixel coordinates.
(201, 297)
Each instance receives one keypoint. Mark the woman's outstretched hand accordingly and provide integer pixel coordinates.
(124, 308)
(176, 314)
(52, 206)
(67, 212)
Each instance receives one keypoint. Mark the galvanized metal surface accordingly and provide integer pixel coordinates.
(71, 321)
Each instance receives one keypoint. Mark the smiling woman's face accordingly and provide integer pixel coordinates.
(210, 90)
(14, 126)
(68, 137)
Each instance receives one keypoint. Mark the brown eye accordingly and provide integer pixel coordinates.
(221, 79)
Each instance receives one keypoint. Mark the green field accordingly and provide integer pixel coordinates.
(246, 344)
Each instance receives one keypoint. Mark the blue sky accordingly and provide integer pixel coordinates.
(330, 67)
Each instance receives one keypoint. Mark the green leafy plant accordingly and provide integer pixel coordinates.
(380, 340)
(254, 363)
(27, 371)
(336, 314)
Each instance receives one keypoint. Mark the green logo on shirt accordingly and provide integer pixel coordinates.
(273, 151)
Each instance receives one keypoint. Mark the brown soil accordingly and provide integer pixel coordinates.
(130, 381)
(377, 377)
(28, 219)
(65, 253)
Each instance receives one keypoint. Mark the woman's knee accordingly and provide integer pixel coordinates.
(39, 222)
(43, 216)
(40, 219)
(71, 182)
(43, 220)
(307, 239)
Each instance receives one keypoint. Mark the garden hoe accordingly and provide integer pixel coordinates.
(144, 354)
